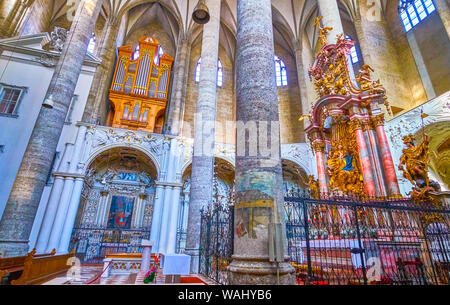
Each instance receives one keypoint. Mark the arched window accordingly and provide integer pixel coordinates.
(92, 42)
(136, 53)
(198, 70)
(281, 72)
(412, 12)
(219, 74)
(353, 52)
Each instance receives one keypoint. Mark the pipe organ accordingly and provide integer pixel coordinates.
(139, 90)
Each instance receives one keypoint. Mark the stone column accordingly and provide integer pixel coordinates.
(378, 51)
(165, 219)
(102, 210)
(204, 133)
(364, 158)
(74, 201)
(331, 18)
(23, 202)
(329, 9)
(173, 221)
(179, 87)
(386, 157)
(54, 198)
(319, 149)
(157, 217)
(443, 9)
(97, 104)
(259, 181)
(60, 217)
(302, 81)
(146, 255)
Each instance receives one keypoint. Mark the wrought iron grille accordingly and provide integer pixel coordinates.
(93, 244)
(216, 242)
(347, 241)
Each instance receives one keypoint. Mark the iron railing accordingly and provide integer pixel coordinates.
(347, 241)
(216, 242)
(92, 244)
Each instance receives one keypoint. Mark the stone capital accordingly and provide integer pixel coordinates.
(378, 120)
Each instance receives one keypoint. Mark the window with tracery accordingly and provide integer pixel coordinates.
(281, 72)
(412, 12)
(219, 72)
(353, 52)
(92, 43)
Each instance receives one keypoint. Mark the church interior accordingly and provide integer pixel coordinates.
(294, 142)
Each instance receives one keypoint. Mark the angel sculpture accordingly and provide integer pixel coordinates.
(414, 165)
(313, 185)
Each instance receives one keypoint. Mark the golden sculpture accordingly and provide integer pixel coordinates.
(343, 171)
(414, 165)
(330, 73)
(313, 185)
(323, 32)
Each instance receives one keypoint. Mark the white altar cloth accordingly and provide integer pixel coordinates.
(176, 264)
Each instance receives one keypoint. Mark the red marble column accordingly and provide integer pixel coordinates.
(388, 164)
(364, 159)
(320, 148)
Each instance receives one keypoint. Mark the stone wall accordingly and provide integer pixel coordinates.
(408, 66)
(434, 46)
(156, 31)
(290, 105)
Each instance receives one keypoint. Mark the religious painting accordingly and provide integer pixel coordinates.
(121, 212)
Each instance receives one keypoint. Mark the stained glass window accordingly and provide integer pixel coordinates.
(219, 72)
(414, 11)
(281, 72)
(353, 52)
(92, 43)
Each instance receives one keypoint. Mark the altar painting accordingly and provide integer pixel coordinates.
(121, 212)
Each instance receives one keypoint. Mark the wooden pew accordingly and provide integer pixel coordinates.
(41, 268)
(16, 264)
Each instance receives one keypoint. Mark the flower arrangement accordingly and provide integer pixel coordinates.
(151, 275)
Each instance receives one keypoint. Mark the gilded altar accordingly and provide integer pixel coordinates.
(347, 125)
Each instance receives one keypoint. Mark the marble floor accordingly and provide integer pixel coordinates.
(89, 275)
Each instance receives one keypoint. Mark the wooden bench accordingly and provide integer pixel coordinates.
(16, 264)
(35, 269)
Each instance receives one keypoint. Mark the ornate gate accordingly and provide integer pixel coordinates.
(216, 242)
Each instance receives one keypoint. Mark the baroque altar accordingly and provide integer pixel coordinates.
(347, 131)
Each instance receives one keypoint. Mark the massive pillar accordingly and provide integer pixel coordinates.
(302, 81)
(378, 51)
(259, 211)
(329, 9)
(180, 74)
(204, 133)
(23, 202)
(443, 9)
(97, 103)
(331, 18)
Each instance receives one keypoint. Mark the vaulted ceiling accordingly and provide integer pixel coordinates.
(291, 18)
